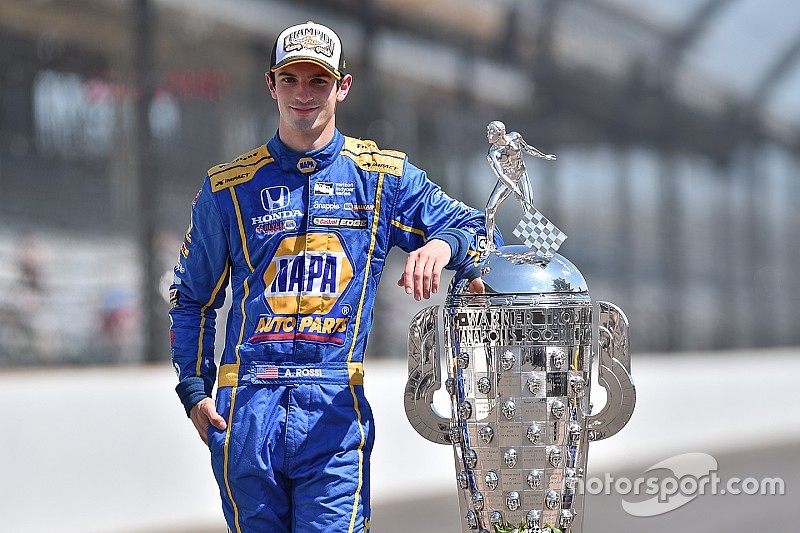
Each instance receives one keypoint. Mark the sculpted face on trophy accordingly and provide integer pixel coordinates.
(512, 500)
(509, 409)
(519, 360)
(534, 433)
(477, 501)
(576, 384)
(570, 478)
(532, 519)
(558, 360)
(552, 499)
(450, 386)
(463, 480)
(470, 458)
(554, 457)
(484, 385)
(534, 383)
(486, 434)
(510, 457)
(574, 433)
(507, 360)
(491, 480)
(472, 519)
(565, 519)
(557, 409)
(534, 479)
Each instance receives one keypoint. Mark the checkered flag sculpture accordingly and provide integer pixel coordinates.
(538, 233)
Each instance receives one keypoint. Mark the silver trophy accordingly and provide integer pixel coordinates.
(519, 363)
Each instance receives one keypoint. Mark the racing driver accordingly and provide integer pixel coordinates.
(300, 229)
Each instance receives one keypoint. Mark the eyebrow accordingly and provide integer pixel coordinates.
(321, 74)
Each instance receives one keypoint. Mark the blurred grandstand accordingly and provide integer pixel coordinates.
(675, 124)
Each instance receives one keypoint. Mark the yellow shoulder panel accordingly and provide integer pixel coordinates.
(240, 169)
(368, 156)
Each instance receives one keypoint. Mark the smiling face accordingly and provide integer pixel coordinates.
(307, 95)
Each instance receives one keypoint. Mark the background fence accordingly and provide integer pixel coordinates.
(675, 181)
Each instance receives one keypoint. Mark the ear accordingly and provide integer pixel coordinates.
(270, 86)
(344, 87)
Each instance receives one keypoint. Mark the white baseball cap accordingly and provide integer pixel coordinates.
(309, 42)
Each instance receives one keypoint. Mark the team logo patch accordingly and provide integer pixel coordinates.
(340, 222)
(288, 214)
(306, 165)
(326, 206)
(174, 297)
(323, 189)
(271, 228)
(359, 207)
(338, 188)
(304, 281)
(273, 198)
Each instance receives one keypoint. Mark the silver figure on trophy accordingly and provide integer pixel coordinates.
(505, 158)
(519, 363)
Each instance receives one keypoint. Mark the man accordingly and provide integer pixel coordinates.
(300, 229)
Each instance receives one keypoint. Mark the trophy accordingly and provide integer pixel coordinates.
(519, 362)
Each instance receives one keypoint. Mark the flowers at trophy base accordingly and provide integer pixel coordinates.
(519, 362)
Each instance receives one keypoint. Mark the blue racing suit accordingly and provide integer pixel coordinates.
(302, 239)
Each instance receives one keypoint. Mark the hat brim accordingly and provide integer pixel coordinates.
(306, 59)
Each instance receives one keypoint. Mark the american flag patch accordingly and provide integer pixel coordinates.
(267, 372)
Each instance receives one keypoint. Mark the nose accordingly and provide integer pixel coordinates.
(304, 92)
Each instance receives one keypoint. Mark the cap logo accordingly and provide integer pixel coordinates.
(309, 39)
(309, 42)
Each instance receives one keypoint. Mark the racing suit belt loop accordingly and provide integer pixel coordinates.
(268, 373)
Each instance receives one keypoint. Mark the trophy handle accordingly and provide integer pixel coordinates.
(613, 374)
(424, 378)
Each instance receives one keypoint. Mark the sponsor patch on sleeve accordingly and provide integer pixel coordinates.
(174, 297)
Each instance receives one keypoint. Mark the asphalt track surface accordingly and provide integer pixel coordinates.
(707, 513)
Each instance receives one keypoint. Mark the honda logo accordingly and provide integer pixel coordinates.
(273, 198)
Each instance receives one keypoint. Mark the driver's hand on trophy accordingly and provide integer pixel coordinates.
(204, 413)
(476, 286)
(423, 271)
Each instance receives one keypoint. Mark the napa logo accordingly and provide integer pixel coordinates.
(306, 165)
(307, 275)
